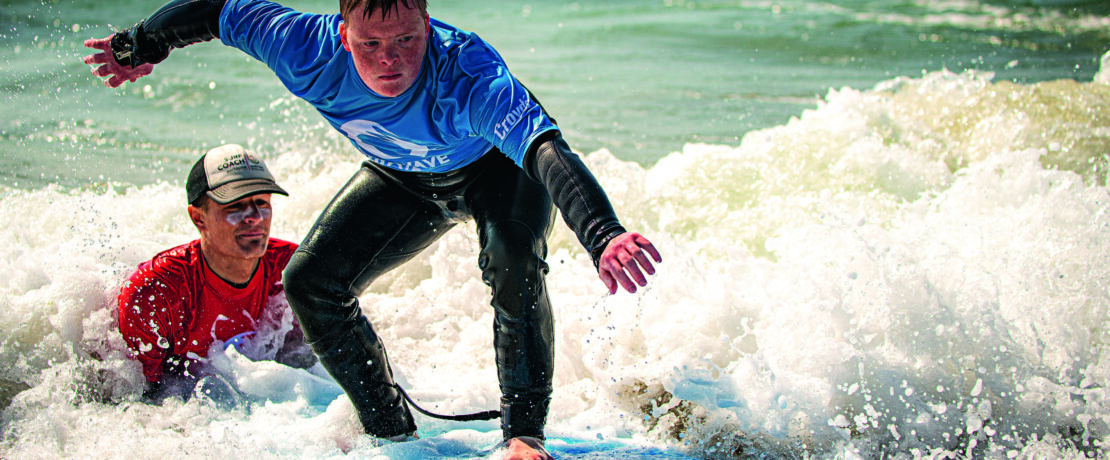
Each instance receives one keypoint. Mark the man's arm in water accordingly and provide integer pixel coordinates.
(131, 53)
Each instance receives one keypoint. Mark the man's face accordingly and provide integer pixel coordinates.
(388, 51)
(237, 230)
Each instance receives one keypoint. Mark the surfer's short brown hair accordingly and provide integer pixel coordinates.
(347, 6)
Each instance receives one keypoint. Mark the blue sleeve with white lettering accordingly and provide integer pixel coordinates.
(498, 106)
(518, 122)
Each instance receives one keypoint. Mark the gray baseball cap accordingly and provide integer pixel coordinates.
(229, 173)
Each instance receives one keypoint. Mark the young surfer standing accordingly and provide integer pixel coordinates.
(449, 135)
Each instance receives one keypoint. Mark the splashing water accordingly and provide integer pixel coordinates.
(917, 269)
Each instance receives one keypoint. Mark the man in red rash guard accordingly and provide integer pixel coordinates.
(214, 290)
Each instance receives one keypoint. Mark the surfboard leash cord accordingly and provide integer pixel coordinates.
(486, 415)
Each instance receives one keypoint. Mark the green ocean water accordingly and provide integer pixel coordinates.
(640, 78)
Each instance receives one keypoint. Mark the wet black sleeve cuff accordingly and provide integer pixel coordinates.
(574, 190)
(176, 24)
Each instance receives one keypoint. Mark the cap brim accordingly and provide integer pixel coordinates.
(238, 190)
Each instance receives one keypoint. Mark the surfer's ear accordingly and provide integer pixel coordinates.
(343, 36)
(197, 216)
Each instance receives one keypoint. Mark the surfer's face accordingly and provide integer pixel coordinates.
(387, 51)
(238, 230)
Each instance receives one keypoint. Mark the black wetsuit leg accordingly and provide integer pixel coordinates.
(514, 216)
(370, 227)
(374, 225)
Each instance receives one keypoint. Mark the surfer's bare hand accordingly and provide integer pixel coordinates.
(117, 74)
(526, 448)
(622, 260)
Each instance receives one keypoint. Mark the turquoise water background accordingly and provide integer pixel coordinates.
(638, 77)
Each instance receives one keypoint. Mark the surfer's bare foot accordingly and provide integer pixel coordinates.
(526, 448)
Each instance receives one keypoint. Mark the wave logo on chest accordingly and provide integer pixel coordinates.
(372, 137)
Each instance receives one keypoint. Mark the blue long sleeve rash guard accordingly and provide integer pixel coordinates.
(463, 102)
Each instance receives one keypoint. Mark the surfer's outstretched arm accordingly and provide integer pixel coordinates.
(131, 53)
(621, 257)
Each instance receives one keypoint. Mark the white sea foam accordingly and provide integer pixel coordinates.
(918, 269)
(1103, 75)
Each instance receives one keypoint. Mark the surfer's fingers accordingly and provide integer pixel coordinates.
(104, 70)
(613, 274)
(629, 265)
(118, 79)
(119, 74)
(98, 58)
(140, 71)
(610, 282)
(650, 248)
(642, 245)
(623, 258)
(642, 259)
(103, 44)
(626, 282)
(629, 258)
(626, 272)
